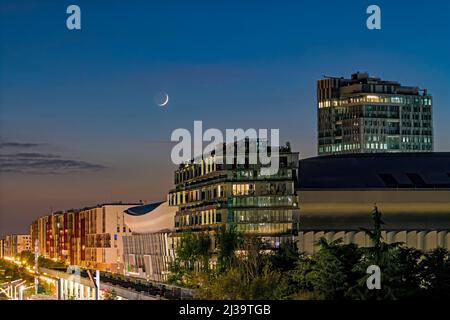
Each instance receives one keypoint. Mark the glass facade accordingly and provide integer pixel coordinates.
(209, 193)
(365, 114)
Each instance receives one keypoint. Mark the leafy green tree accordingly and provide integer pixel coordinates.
(186, 250)
(110, 295)
(195, 250)
(301, 286)
(383, 255)
(193, 254)
(408, 272)
(328, 273)
(435, 274)
(204, 250)
(26, 256)
(285, 257)
(228, 240)
(250, 275)
(43, 262)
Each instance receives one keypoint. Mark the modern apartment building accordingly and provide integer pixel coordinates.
(365, 114)
(14, 244)
(101, 230)
(55, 234)
(211, 191)
(2, 248)
(38, 231)
(89, 237)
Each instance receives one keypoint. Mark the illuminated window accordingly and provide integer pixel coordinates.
(242, 189)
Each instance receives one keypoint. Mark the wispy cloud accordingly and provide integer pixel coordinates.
(40, 163)
(30, 155)
(19, 145)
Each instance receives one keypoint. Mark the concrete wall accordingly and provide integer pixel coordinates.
(16, 243)
(420, 218)
(423, 240)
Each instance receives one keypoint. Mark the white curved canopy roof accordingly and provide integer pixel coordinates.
(150, 218)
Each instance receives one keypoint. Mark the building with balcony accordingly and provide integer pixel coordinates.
(210, 192)
(13, 244)
(365, 114)
(2, 248)
(58, 236)
(90, 237)
(101, 230)
(38, 232)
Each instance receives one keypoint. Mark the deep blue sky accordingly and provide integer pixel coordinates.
(86, 97)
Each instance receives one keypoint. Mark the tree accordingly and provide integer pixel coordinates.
(228, 240)
(249, 275)
(381, 252)
(111, 294)
(204, 250)
(384, 256)
(435, 274)
(193, 254)
(408, 272)
(28, 257)
(328, 273)
(285, 257)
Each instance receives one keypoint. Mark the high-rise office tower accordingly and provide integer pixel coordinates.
(366, 114)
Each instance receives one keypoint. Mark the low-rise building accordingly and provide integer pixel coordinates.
(101, 230)
(337, 195)
(150, 249)
(16, 243)
(38, 231)
(2, 248)
(89, 237)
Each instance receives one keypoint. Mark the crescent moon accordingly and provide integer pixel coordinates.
(165, 102)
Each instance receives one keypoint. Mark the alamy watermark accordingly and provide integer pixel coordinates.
(73, 22)
(374, 280)
(374, 20)
(241, 146)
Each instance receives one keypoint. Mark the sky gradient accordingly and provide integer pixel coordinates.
(79, 105)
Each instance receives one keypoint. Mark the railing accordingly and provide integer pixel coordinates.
(126, 287)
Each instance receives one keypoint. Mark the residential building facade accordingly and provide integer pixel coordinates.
(2, 248)
(14, 244)
(211, 192)
(90, 237)
(101, 230)
(38, 232)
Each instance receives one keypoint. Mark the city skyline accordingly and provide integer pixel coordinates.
(82, 108)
